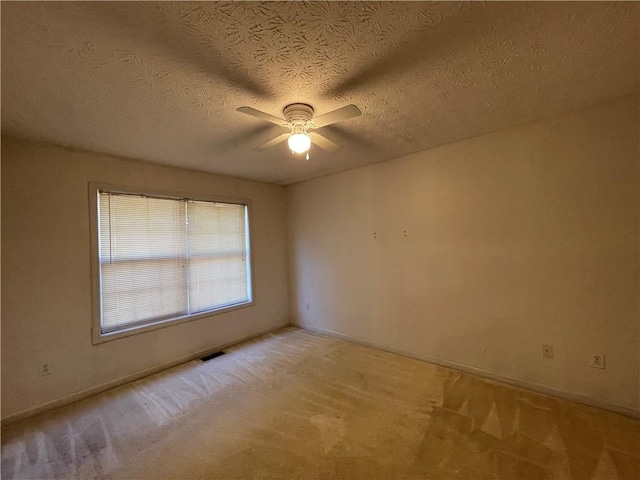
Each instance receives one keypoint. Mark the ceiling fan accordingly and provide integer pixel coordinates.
(298, 118)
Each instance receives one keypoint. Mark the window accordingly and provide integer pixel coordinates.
(164, 259)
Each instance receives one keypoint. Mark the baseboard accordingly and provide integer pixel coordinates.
(74, 397)
(630, 412)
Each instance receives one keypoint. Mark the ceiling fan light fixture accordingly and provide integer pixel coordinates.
(298, 118)
(299, 142)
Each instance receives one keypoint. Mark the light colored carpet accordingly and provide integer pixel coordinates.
(296, 404)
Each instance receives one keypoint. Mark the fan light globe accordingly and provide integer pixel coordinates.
(299, 142)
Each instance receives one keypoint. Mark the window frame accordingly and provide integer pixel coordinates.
(97, 335)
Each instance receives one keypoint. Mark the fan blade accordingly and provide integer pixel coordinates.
(261, 115)
(255, 133)
(273, 142)
(324, 143)
(344, 135)
(344, 113)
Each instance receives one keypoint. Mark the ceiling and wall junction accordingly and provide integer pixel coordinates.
(160, 81)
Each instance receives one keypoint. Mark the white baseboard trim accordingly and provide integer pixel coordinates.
(74, 397)
(574, 397)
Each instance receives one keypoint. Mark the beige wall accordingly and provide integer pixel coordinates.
(46, 292)
(514, 239)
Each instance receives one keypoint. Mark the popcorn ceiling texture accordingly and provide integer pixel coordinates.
(161, 81)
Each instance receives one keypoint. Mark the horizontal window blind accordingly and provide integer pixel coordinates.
(217, 255)
(163, 258)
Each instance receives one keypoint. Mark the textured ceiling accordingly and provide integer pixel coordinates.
(161, 81)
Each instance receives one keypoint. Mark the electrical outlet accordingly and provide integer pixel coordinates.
(597, 360)
(547, 351)
(44, 369)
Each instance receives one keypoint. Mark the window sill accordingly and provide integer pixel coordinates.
(99, 337)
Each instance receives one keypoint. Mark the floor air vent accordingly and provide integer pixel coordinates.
(213, 355)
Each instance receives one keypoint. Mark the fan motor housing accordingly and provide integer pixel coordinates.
(298, 113)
